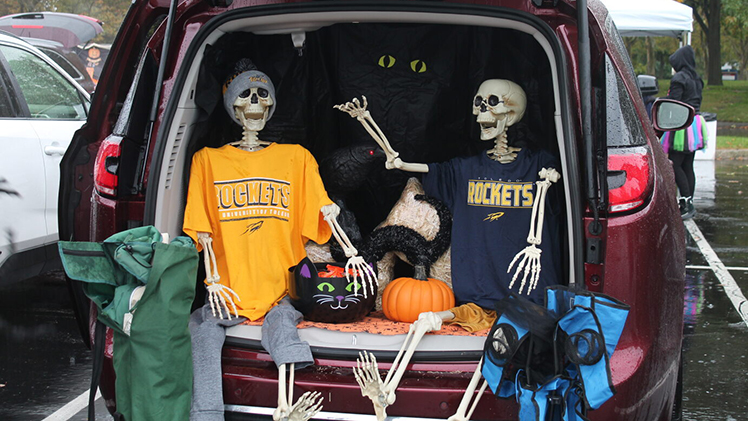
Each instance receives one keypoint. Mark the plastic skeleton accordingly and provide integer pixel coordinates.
(252, 108)
(498, 104)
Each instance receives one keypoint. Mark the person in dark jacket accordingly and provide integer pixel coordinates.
(685, 86)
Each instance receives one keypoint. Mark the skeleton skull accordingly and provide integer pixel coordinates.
(498, 104)
(251, 108)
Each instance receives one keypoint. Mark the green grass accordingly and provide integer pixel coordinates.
(732, 142)
(729, 101)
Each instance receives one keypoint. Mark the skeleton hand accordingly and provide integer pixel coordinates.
(367, 376)
(530, 265)
(355, 109)
(220, 296)
(357, 267)
(308, 405)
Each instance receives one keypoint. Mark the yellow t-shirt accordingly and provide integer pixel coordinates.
(260, 208)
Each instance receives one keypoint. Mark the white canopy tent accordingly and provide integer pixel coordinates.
(651, 18)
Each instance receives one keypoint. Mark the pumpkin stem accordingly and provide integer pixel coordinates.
(420, 273)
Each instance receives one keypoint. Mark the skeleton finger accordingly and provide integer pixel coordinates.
(368, 277)
(348, 267)
(359, 371)
(520, 265)
(233, 293)
(211, 299)
(307, 399)
(223, 306)
(526, 273)
(305, 407)
(366, 367)
(316, 408)
(231, 301)
(512, 264)
(373, 368)
(536, 272)
(358, 374)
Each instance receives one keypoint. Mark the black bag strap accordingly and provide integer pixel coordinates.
(98, 363)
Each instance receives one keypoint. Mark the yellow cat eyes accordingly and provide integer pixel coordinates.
(387, 61)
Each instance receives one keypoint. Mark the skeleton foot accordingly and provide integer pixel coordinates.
(308, 405)
(367, 376)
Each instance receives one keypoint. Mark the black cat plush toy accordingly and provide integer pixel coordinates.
(321, 292)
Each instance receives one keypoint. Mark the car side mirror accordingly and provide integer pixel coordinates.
(669, 115)
(647, 85)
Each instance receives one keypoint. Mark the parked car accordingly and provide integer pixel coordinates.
(68, 60)
(621, 230)
(60, 36)
(41, 107)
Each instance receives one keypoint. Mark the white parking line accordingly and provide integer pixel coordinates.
(700, 267)
(71, 408)
(728, 282)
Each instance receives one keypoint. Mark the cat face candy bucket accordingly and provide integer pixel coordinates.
(321, 292)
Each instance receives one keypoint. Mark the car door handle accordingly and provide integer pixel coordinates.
(54, 150)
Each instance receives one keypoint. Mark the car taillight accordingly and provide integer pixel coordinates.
(629, 178)
(106, 166)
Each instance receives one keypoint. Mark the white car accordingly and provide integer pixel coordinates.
(41, 107)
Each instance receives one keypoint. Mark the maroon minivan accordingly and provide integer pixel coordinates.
(419, 63)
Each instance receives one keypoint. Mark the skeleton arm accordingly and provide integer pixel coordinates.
(360, 113)
(356, 266)
(530, 256)
(382, 394)
(219, 296)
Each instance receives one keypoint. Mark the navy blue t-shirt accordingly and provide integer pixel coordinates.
(491, 205)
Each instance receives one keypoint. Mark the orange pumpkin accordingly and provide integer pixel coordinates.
(405, 298)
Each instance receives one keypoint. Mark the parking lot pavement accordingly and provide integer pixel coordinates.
(44, 364)
(715, 348)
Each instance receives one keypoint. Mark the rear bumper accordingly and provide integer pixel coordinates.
(239, 412)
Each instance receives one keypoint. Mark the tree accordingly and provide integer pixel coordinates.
(708, 15)
(736, 31)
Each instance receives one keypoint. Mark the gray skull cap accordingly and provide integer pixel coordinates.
(242, 82)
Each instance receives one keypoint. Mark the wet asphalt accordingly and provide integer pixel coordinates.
(715, 348)
(44, 363)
